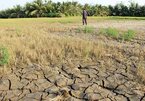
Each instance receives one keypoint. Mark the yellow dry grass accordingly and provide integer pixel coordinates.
(46, 42)
(32, 41)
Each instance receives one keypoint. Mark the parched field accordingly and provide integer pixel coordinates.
(59, 59)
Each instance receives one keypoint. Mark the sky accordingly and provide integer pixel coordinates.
(4, 4)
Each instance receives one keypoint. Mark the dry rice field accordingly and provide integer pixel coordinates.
(53, 59)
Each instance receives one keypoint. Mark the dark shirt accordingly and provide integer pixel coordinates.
(84, 14)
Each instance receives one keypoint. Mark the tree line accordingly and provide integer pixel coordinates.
(47, 8)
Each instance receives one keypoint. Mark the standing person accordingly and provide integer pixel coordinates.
(84, 16)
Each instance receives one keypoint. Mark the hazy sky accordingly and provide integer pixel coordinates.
(4, 4)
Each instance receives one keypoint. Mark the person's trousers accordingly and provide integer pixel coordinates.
(84, 21)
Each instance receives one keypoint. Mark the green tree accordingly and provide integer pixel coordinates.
(17, 12)
(142, 11)
(101, 10)
(36, 9)
(47, 8)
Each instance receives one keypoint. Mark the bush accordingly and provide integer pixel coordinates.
(130, 34)
(4, 56)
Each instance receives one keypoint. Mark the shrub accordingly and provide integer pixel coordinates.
(130, 34)
(4, 56)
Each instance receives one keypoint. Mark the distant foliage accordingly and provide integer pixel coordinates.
(4, 56)
(39, 8)
(134, 9)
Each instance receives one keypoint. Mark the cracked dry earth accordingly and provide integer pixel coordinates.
(81, 83)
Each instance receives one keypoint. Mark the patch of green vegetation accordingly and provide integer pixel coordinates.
(117, 18)
(114, 33)
(130, 34)
(125, 18)
(86, 29)
(4, 56)
(102, 31)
